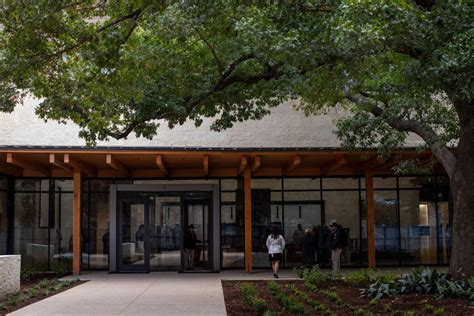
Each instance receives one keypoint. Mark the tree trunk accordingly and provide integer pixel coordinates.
(462, 188)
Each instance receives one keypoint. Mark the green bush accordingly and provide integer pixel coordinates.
(439, 311)
(377, 290)
(251, 298)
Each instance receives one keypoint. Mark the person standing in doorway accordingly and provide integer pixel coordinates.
(276, 245)
(309, 249)
(337, 243)
(189, 247)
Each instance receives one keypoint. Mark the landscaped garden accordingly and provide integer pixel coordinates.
(366, 292)
(37, 285)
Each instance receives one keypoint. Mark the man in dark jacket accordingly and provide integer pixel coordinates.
(337, 243)
(309, 249)
(189, 246)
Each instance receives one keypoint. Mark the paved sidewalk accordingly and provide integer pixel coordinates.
(156, 293)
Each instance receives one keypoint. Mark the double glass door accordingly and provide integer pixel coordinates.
(152, 228)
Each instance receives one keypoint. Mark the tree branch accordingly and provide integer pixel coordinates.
(220, 67)
(439, 148)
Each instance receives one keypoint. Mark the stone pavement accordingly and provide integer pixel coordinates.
(156, 293)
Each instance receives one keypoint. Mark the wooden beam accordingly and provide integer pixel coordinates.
(205, 165)
(248, 219)
(10, 169)
(334, 165)
(369, 203)
(295, 162)
(387, 165)
(256, 163)
(243, 164)
(117, 165)
(54, 160)
(14, 160)
(76, 222)
(160, 162)
(82, 166)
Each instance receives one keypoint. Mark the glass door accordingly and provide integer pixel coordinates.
(165, 233)
(197, 255)
(133, 234)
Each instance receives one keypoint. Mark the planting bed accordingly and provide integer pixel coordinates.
(34, 290)
(335, 298)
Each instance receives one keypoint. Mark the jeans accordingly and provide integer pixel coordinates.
(188, 258)
(336, 259)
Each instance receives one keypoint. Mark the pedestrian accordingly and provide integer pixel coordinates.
(276, 245)
(189, 246)
(309, 249)
(337, 243)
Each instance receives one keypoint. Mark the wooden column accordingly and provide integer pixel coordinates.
(369, 202)
(248, 219)
(76, 223)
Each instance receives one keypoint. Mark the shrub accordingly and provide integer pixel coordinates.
(28, 273)
(61, 266)
(2, 307)
(251, 298)
(377, 291)
(439, 311)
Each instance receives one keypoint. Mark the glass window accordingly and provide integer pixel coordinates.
(3, 223)
(63, 185)
(28, 185)
(343, 207)
(387, 249)
(232, 230)
(96, 231)
(264, 203)
(301, 183)
(31, 239)
(3, 183)
(385, 182)
(300, 216)
(444, 232)
(340, 183)
(302, 196)
(61, 231)
(228, 184)
(100, 185)
(272, 184)
(417, 229)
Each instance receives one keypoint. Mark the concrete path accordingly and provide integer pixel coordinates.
(156, 293)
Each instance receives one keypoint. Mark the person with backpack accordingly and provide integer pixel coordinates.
(338, 241)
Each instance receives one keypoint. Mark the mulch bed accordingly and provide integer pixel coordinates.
(349, 293)
(30, 284)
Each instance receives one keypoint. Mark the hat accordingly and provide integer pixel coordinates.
(332, 222)
(191, 226)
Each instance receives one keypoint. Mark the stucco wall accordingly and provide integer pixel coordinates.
(9, 274)
(285, 127)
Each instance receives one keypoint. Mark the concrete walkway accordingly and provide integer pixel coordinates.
(156, 293)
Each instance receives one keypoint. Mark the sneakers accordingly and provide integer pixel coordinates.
(275, 276)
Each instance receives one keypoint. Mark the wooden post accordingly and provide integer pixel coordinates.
(248, 219)
(76, 223)
(369, 202)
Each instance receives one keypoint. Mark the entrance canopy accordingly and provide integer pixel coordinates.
(195, 162)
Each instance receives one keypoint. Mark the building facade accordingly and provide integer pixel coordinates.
(125, 205)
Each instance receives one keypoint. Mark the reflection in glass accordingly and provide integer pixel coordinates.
(3, 222)
(133, 233)
(165, 233)
(386, 228)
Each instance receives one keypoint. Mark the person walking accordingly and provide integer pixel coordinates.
(337, 243)
(275, 244)
(309, 249)
(189, 246)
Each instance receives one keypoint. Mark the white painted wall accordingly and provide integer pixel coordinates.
(285, 127)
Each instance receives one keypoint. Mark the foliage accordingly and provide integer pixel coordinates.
(429, 309)
(305, 297)
(439, 311)
(252, 299)
(28, 272)
(422, 280)
(284, 300)
(364, 276)
(377, 290)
